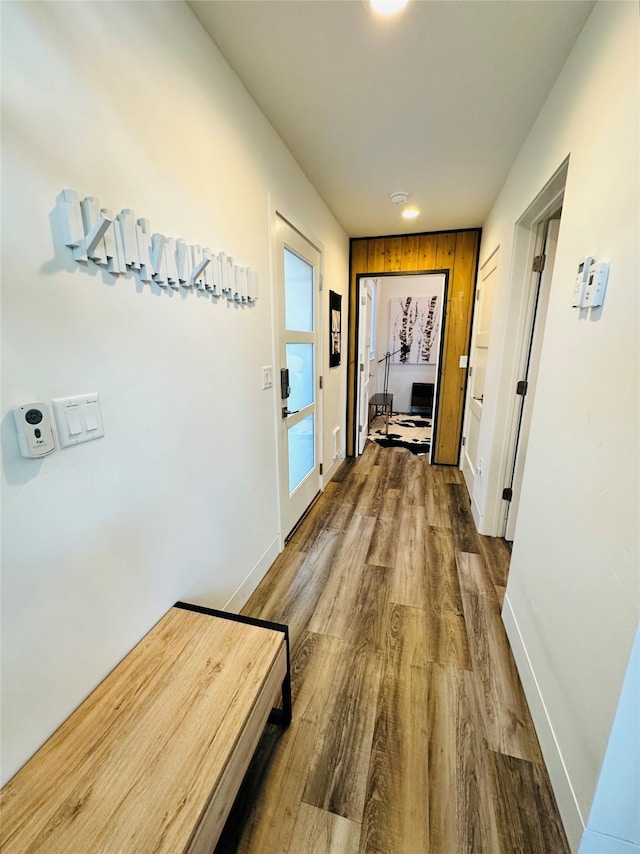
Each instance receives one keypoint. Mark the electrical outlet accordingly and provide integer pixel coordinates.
(267, 377)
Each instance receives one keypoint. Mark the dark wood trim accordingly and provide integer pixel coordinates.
(417, 234)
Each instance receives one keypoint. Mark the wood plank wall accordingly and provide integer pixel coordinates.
(457, 252)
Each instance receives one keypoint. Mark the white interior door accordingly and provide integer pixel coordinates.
(297, 287)
(471, 465)
(364, 354)
(533, 351)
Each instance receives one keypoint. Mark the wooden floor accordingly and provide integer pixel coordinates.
(411, 733)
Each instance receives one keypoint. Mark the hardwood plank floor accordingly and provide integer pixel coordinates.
(410, 732)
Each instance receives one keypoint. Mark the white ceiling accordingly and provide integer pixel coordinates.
(436, 101)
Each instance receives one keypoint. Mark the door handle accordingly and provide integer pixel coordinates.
(479, 399)
(286, 411)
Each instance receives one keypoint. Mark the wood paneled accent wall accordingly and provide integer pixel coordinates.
(457, 252)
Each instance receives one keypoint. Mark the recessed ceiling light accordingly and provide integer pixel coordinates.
(410, 213)
(387, 7)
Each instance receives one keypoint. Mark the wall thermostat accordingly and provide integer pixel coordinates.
(596, 285)
(33, 425)
(582, 276)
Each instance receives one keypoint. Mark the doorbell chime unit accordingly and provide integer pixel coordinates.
(33, 424)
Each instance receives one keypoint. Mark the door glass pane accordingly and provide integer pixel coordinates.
(300, 364)
(298, 293)
(301, 451)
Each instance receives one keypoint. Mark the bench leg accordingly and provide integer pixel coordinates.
(283, 716)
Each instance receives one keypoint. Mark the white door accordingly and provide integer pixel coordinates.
(364, 366)
(542, 289)
(297, 288)
(471, 465)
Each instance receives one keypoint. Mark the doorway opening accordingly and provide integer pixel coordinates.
(529, 293)
(400, 344)
(540, 288)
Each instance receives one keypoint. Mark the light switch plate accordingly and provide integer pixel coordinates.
(267, 377)
(78, 419)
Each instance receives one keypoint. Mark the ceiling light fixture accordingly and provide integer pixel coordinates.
(411, 213)
(399, 197)
(388, 7)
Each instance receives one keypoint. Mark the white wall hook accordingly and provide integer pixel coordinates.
(69, 207)
(198, 270)
(125, 244)
(158, 243)
(93, 238)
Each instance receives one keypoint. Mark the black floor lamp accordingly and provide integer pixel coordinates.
(404, 348)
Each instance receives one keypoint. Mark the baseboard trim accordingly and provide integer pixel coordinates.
(332, 470)
(560, 780)
(476, 514)
(244, 591)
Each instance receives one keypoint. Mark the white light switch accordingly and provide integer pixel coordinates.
(90, 417)
(74, 424)
(78, 419)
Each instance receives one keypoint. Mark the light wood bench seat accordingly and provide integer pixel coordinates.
(152, 760)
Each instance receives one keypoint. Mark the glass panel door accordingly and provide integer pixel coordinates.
(301, 451)
(298, 277)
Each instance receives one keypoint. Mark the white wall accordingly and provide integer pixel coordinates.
(573, 595)
(132, 103)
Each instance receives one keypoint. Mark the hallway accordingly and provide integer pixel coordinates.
(411, 734)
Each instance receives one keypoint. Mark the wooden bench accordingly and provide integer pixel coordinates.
(152, 760)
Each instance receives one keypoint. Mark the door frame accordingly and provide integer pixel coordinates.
(548, 200)
(436, 399)
(276, 213)
(456, 251)
(365, 284)
(531, 351)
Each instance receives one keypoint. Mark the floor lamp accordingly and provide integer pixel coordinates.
(403, 348)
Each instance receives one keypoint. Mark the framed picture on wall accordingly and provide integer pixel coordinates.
(414, 328)
(335, 328)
